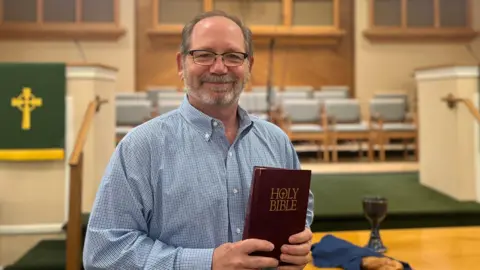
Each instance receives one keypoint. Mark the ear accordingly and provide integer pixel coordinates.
(180, 65)
(251, 60)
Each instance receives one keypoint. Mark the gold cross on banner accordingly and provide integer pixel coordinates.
(26, 102)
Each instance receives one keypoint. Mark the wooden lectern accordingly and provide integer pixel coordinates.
(449, 138)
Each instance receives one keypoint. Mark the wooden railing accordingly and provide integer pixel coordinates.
(74, 225)
(452, 102)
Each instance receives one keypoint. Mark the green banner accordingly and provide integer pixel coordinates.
(32, 111)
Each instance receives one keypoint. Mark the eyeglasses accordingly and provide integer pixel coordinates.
(207, 58)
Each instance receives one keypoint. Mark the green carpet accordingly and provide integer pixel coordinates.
(338, 202)
(45, 255)
(342, 194)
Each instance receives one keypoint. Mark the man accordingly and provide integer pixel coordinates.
(176, 189)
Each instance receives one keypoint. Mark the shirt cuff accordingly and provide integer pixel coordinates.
(200, 259)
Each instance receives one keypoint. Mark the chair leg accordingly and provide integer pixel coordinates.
(326, 156)
(334, 148)
(382, 146)
(405, 149)
(360, 150)
(370, 147)
(319, 150)
(417, 158)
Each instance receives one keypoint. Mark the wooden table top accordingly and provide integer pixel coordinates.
(424, 249)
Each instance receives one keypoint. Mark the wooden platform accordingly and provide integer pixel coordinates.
(424, 249)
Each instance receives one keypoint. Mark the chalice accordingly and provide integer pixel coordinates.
(375, 210)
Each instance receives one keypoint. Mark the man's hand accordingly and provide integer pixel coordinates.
(236, 255)
(298, 252)
(382, 263)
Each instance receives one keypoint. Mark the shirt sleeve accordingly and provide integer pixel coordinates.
(118, 231)
(295, 164)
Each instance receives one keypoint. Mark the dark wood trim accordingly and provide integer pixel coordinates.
(40, 8)
(207, 5)
(61, 31)
(430, 34)
(436, 13)
(40, 30)
(78, 11)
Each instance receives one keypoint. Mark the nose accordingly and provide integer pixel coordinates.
(218, 67)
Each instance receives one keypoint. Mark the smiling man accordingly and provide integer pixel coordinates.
(175, 192)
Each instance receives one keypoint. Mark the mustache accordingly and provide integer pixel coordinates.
(218, 79)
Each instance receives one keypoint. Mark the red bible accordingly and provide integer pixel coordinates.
(277, 206)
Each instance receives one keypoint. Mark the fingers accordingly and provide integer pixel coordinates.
(258, 262)
(291, 267)
(298, 250)
(301, 237)
(297, 260)
(250, 245)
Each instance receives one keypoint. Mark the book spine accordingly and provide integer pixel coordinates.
(246, 229)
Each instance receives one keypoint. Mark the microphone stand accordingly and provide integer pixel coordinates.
(269, 81)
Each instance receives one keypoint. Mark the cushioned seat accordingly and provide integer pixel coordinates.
(396, 126)
(306, 128)
(350, 127)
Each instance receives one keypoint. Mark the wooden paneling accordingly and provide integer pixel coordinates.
(305, 62)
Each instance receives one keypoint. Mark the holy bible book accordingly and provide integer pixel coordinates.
(277, 206)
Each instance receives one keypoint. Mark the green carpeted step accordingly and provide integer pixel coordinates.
(45, 255)
(338, 202)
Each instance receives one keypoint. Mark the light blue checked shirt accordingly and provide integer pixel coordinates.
(175, 189)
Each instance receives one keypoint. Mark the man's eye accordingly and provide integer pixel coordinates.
(204, 55)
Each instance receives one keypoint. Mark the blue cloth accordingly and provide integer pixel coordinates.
(175, 189)
(335, 252)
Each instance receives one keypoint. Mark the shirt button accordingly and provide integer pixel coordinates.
(206, 135)
(215, 124)
(238, 231)
(235, 190)
(230, 153)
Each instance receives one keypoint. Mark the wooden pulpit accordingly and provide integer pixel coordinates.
(449, 138)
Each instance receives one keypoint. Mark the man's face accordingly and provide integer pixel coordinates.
(216, 83)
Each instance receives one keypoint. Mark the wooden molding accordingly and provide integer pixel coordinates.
(61, 31)
(437, 35)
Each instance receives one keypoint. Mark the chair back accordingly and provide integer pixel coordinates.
(343, 110)
(390, 95)
(302, 110)
(132, 112)
(389, 110)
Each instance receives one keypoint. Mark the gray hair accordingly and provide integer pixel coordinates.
(188, 28)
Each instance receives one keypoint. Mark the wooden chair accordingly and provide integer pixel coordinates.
(390, 120)
(303, 122)
(344, 122)
(130, 113)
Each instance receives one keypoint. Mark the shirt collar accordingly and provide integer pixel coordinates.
(206, 124)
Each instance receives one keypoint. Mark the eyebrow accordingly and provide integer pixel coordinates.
(212, 50)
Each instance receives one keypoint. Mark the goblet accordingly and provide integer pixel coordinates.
(375, 210)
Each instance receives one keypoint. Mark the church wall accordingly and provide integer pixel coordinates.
(389, 66)
(119, 53)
